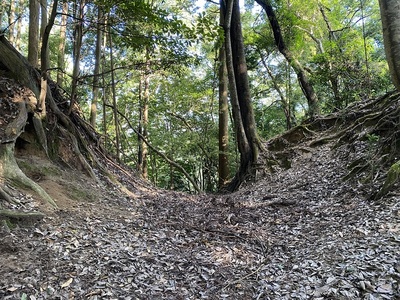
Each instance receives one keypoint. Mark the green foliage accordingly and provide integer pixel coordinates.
(270, 120)
(176, 44)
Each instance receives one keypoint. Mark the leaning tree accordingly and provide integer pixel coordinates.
(69, 138)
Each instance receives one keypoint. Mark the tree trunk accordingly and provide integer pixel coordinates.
(223, 114)
(11, 22)
(17, 67)
(114, 97)
(305, 84)
(40, 112)
(242, 81)
(144, 113)
(242, 112)
(61, 45)
(390, 16)
(43, 18)
(33, 34)
(3, 9)
(20, 10)
(77, 52)
(333, 79)
(242, 141)
(96, 87)
(45, 61)
(15, 101)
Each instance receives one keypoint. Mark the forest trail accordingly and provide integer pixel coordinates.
(300, 232)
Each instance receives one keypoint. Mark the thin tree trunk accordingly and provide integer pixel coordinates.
(33, 33)
(43, 18)
(332, 78)
(61, 45)
(19, 10)
(77, 53)
(45, 61)
(164, 156)
(284, 100)
(305, 83)
(104, 96)
(140, 126)
(223, 114)
(114, 97)
(145, 115)
(96, 88)
(11, 22)
(390, 16)
(3, 9)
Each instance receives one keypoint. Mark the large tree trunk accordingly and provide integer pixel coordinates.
(13, 106)
(242, 112)
(305, 83)
(33, 34)
(242, 81)
(390, 16)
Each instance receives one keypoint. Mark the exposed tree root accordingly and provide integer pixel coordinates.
(11, 173)
(12, 217)
(370, 131)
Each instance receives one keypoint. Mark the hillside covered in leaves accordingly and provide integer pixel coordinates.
(320, 221)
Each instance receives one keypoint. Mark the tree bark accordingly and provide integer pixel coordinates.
(243, 117)
(242, 80)
(18, 67)
(45, 61)
(43, 18)
(144, 118)
(33, 34)
(12, 122)
(11, 22)
(114, 97)
(390, 16)
(242, 141)
(223, 114)
(20, 10)
(96, 77)
(305, 83)
(77, 52)
(3, 9)
(61, 45)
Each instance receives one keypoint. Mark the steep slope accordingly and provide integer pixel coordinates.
(313, 226)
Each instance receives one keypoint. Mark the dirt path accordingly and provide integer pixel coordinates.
(300, 233)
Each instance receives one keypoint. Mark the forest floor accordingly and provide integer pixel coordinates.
(297, 233)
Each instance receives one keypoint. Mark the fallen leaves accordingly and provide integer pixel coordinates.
(67, 283)
(299, 234)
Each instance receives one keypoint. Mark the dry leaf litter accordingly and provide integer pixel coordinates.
(300, 233)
